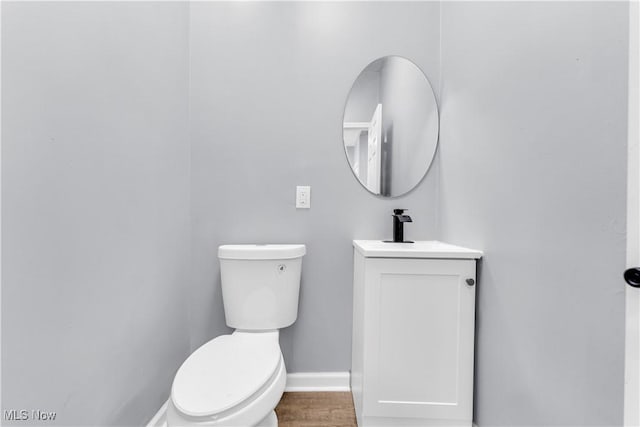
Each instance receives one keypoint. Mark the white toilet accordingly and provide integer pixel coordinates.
(238, 379)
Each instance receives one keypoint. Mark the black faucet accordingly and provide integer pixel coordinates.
(399, 218)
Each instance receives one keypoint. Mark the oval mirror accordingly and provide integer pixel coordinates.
(390, 126)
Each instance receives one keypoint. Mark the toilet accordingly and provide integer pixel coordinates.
(238, 379)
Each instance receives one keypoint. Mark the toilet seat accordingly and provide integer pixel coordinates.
(225, 372)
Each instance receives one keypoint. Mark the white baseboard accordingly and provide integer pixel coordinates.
(159, 419)
(318, 381)
(299, 381)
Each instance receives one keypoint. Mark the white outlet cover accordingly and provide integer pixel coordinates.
(303, 197)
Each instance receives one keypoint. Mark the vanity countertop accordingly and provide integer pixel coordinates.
(418, 249)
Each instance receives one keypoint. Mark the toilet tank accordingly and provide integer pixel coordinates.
(260, 285)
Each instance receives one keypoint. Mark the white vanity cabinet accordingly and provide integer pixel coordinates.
(413, 333)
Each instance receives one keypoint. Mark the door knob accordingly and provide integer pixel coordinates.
(632, 277)
(470, 282)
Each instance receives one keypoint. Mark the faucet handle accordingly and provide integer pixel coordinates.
(399, 215)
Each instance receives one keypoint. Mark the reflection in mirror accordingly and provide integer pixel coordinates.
(390, 126)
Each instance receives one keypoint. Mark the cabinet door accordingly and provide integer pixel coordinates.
(419, 338)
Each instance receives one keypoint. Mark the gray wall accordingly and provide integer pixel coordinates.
(268, 88)
(533, 171)
(95, 198)
(364, 96)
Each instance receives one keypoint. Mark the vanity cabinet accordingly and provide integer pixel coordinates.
(413, 333)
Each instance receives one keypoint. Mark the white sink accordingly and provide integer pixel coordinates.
(419, 249)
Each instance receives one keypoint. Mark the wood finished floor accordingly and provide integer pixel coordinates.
(315, 409)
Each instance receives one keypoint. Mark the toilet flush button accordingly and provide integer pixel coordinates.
(303, 197)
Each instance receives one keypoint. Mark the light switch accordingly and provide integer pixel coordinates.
(303, 197)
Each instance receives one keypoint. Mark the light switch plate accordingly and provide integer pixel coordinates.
(303, 197)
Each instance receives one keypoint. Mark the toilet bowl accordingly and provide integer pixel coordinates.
(238, 379)
(233, 380)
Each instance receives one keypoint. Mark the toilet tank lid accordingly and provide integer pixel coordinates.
(256, 252)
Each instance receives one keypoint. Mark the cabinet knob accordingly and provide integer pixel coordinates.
(470, 282)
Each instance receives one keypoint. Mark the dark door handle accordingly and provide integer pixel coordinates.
(632, 276)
